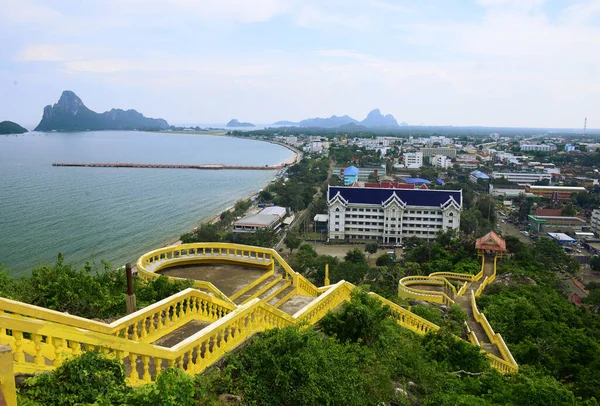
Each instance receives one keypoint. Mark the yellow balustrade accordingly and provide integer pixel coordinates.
(48, 344)
(495, 338)
(146, 325)
(154, 261)
(431, 296)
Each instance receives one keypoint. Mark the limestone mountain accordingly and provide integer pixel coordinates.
(377, 120)
(70, 114)
(331, 122)
(8, 127)
(235, 123)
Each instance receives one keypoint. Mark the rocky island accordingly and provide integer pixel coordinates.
(374, 120)
(70, 114)
(8, 127)
(235, 123)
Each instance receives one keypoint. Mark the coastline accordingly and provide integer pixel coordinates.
(291, 161)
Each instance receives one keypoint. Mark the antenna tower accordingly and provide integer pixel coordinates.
(584, 128)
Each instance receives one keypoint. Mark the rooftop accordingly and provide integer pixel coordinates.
(416, 197)
(491, 241)
(259, 220)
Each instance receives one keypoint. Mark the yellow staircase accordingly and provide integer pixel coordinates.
(193, 328)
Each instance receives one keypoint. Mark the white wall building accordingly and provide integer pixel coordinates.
(413, 160)
(391, 215)
(595, 223)
(522, 177)
(441, 161)
(538, 147)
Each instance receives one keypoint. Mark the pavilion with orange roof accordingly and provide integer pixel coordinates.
(491, 243)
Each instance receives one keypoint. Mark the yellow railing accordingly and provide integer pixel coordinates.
(153, 261)
(508, 361)
(404, 290)
(145, 325)
(41, 345)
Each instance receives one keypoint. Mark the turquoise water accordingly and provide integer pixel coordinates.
(115, 214)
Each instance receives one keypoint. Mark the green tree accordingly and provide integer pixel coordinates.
(292, 241)
(385, 260)
(595, 263)
(355, 256)
(371, 248)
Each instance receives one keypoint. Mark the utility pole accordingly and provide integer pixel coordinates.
(130, 300)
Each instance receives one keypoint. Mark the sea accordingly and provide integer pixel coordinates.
(116, 214)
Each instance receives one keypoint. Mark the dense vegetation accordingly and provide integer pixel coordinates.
(87, 292)
(541, 327)
(360, 356)
(8, 127)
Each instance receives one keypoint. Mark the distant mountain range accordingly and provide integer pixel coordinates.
(374, 120)
(235, 123)
(8, 127)
(70, 114)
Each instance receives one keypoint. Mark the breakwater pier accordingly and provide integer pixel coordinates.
(170, 166)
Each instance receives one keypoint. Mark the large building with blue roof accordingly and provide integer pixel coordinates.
(391, 215)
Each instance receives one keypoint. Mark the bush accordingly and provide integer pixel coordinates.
(86, 379)
(297, 366)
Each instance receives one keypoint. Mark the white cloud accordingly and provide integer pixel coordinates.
(24, 11)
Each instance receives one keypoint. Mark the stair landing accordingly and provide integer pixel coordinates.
(227, 278)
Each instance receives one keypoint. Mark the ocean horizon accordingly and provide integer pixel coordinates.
(116, 214)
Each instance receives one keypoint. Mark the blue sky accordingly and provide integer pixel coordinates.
(444, 62)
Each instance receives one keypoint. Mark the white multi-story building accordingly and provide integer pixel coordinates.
(522, 177)
(451, 152)
(538, 147)
(441, 161)
(595, 223)
(391, 215)
(413, 160)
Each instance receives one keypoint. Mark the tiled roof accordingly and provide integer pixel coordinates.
(491, 241)
(417, 197)
(548, 212)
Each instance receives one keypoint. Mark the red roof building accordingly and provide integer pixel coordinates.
(491, 242)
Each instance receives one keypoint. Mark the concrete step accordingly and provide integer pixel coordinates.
(258, 289)
(280, 298)
(181, 333)
(295, 303)
(270, 293)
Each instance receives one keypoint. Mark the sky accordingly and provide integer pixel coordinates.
(514, 63)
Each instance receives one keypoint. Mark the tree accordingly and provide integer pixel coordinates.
(385, 260)
(568, 210)
(595, 263)
(292, 241)
(371, 248)
(205, 233)
(355, 256)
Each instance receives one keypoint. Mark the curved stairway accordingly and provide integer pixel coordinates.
(196, 327)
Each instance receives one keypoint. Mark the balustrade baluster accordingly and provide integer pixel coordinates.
(157, 365)
(58, 351)
(75, 348)
(133, 376)
(175, 316)
(144, 328)
(19, 355)
(171, 363)
(39, 357)
(146, 361)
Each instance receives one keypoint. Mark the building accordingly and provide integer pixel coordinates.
(449, 152)
(363, 173)
(595, 223)
(553, 220)
(413, 160)
(441, 161)
(269, 217)
(538, 147)
(391, 215)
(506, 191)
(522, 177)
(554, 192)
(349, 175)
(570, 148)
(476, 175)
(321, 222)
